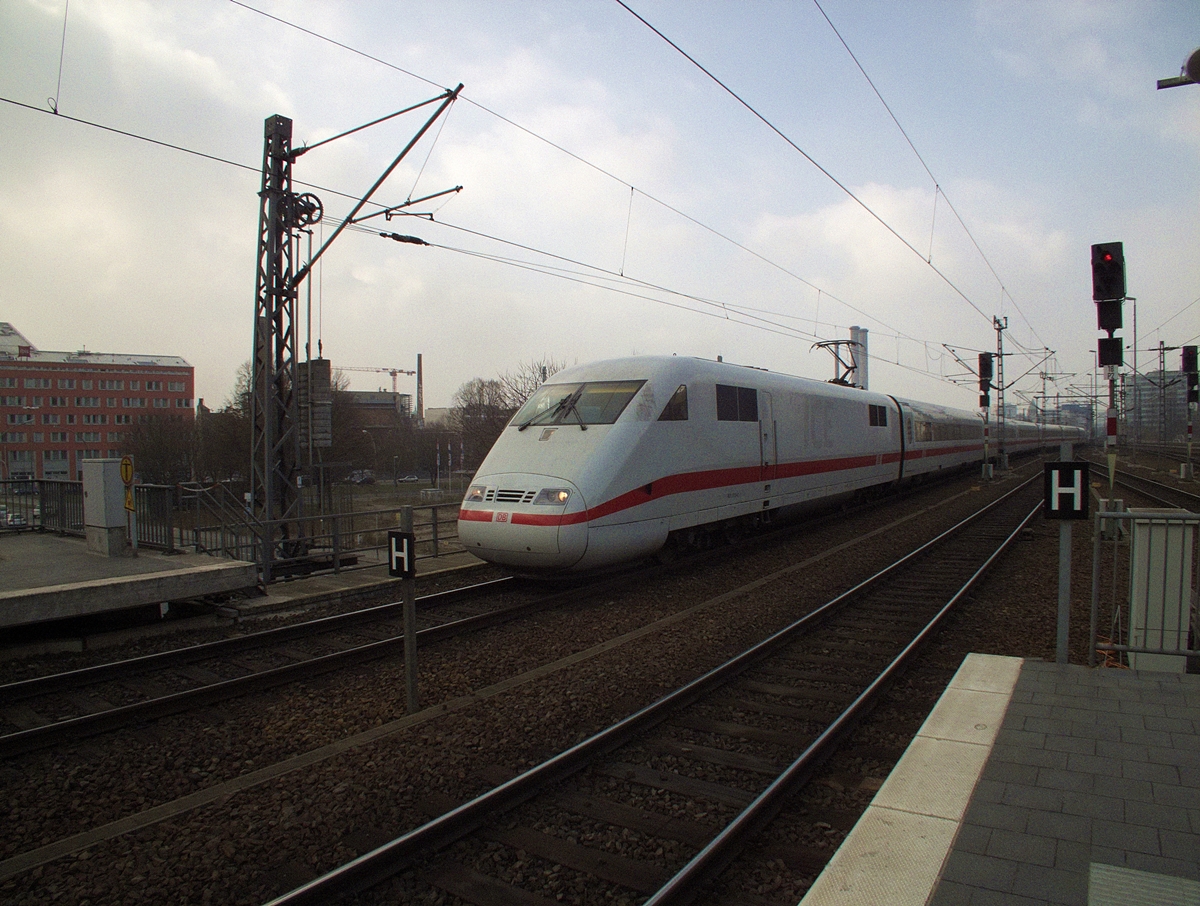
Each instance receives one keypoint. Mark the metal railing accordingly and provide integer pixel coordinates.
(1145, 565)
(214, 520)
(53, 505)
(334, 542)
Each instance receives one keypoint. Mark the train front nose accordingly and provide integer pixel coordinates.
(524, 521)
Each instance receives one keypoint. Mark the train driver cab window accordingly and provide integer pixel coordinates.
(592, 403)
(676, 410)
(736, 404)
(878, 416)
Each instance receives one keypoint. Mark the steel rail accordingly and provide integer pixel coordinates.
(393, 857)
(687, 884)
(73, 679)
(105, 721)
(1164, 494)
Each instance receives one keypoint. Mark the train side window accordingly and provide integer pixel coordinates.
(878, 416)
(676, 410)
(747, 404)
(736, 404)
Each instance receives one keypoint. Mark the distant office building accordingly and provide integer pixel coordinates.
(1156, 407)
(379, 408)
(59, 408)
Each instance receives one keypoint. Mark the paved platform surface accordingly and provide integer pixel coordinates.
(1034, 783)
(60, 577)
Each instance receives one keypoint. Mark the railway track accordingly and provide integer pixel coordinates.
(1157, 492)
(63, 707)
(656, 807)
(58, 709)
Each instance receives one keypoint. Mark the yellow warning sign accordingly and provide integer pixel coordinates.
(129, 499)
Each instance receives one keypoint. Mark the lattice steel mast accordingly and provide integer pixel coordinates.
(275, 466)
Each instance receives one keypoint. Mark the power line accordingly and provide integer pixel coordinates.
(887, 226)
(937, 186)
(726, 308)
(581, 160)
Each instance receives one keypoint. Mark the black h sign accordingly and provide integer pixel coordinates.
(402, 554)
(1067, 490)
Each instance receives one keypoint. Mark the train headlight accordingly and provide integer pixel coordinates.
(475, 494)
(552, 497)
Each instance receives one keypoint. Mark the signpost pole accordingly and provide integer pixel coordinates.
(1066, 498)
(402, 557)
(130, 507)
(410, 613)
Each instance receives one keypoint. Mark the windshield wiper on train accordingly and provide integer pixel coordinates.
(571, 407)
(565, 405)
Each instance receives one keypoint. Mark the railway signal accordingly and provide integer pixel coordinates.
(1108, 272)
(986, 373)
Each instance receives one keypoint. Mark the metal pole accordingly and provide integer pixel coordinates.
(408, 588)
(1064, 575)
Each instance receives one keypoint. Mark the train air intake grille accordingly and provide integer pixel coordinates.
(504, 495)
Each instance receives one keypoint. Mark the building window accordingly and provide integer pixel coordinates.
(49, 418)
(122, 420)
(12, 437)
(10, 382)
(58, 437)
(54, 455)
(85, 385)
(111, 385)
(135, 385)
(161, 403)
(110, 402)
(115, 437)
(134, 402)
(183, 404)
(20, 418)
(59, 401)
(154, 385)
(70, 419)
(37, 383)
(66, 383)
(12, 401)
(89, 454)
(88, 402)
(176, 386)
(95, 419)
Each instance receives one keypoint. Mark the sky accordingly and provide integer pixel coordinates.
(925, 170)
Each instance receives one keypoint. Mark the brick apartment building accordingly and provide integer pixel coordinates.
(59, 408)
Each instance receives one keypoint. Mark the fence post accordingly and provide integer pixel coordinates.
(433, 512)
(337, 544)
(171, 519)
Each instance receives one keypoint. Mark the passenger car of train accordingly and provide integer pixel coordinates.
(610, 461)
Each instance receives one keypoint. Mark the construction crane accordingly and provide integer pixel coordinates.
(392, 371)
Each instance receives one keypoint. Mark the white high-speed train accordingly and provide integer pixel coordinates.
(606, 462)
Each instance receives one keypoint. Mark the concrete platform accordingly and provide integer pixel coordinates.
(1033, 783)
(47, 577)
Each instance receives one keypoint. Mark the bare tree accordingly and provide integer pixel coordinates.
(518, 385)
(481, 410)
(163, 450)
